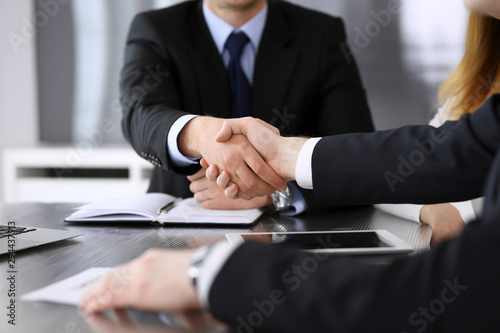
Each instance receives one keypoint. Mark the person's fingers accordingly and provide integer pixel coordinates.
(212, 172)
(215, 199)
(240, 194)
(271, 181)
(204, 163)
(211, 204)
(246, 197)
(205, 190)
(231, 127)
(103, 295)
(202, 196)
(88, 304)
(199, 185)
(250, 183)
(269, 126)
(223, 180)
(257, 177)
(232, 191)
(200, 174)
(253, 175)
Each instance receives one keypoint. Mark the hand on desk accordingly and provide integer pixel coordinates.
(211, 196)
(278, 152)
(235, 154)
(445, 221)
(156, 281)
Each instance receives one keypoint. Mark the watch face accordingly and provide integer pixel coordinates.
(193, 270)
(281, 199)
(193, 273)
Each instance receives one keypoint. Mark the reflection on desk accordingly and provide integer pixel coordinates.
(121, 321)
(113, 244)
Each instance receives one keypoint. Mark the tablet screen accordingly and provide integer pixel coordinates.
(333, 240)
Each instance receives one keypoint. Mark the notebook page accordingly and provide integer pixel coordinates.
(146, 204)
(191, 211)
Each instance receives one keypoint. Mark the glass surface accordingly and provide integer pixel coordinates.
(309, 241)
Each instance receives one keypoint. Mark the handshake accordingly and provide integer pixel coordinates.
(247, 159)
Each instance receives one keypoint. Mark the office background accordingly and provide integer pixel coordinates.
(60, 63)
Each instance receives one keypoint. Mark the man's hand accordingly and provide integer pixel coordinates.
(156, 281)
(278, 152)
(211, 196)
(445, 221)
(235, 154)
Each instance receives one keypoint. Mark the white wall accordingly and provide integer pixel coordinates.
(18, 93)
(165, 3)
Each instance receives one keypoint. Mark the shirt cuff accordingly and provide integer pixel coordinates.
(407, 211)
(211, 267)
(466, 210)
(178, 159)
(303, 169)
(298, 204)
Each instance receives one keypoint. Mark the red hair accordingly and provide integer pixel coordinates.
(477, 77)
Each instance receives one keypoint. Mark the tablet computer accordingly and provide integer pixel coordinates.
(341, 242)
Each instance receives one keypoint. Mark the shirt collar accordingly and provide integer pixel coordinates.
(220, 29)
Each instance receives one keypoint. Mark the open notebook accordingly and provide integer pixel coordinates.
(161, 208)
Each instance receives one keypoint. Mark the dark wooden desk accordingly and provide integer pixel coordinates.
(112, 245)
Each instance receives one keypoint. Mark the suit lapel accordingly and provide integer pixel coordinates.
(208, 66)
(274, 65)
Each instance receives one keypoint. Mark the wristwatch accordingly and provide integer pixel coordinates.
(199, 256)
(282, 199)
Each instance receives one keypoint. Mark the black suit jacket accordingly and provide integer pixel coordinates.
(303, 83)
(452, 288)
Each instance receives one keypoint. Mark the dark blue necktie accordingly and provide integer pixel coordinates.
(240, 87)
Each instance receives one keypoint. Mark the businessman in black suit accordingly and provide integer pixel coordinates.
(176, 65)
(451, 288)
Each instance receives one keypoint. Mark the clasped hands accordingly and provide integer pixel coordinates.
(248, 160)
(281, 155)
(157, 281)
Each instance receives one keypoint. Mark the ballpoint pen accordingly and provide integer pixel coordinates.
(167, 207)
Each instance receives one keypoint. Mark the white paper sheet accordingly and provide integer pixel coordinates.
(68, 291)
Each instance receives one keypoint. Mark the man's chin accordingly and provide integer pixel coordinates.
(240, 5)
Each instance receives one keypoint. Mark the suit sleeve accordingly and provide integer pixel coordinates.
(343, 106)
(413, 164)
(150, 98)
(452, 288)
